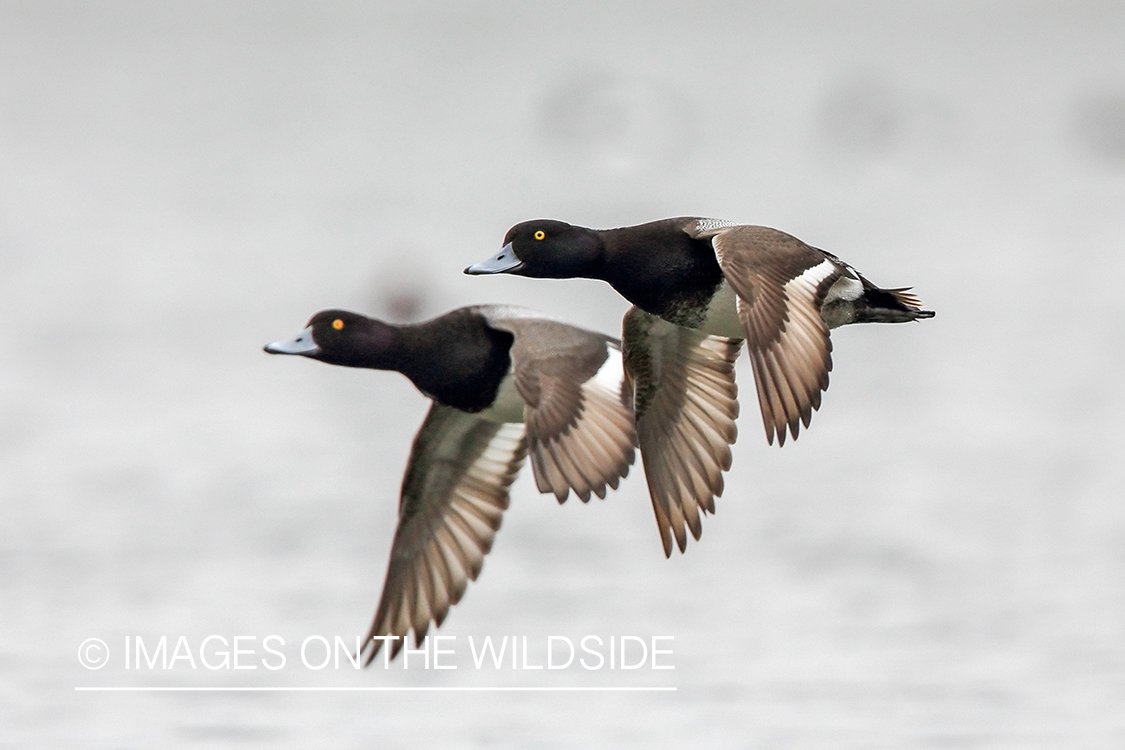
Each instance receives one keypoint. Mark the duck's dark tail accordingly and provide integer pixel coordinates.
(890, 305)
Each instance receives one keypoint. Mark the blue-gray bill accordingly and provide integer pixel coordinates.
(302, 343)
(503, 262)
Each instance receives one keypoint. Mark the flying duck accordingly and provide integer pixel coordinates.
(699, 288)
(506, 383)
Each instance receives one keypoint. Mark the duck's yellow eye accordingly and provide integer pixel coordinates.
(540, 234)
(338, 324)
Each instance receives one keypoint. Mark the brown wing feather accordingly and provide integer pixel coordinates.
(580, 431)
(780, 282)
(454, 495)
(686, 403)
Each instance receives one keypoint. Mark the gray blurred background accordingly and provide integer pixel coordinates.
(939, 562)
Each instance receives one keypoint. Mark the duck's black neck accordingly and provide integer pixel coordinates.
(661, 269)
(457, 359)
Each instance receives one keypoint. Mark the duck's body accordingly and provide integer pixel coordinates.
(505, 383)
(701, 286)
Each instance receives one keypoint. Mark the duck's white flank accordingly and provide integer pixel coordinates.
(508, 406)
(722, 314)
(846, 288)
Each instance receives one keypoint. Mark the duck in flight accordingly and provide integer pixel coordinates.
(506, 383)
(699, 288)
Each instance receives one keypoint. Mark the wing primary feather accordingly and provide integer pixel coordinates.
(454, 495)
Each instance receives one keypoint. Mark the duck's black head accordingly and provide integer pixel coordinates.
(345, 338)
(546, 249)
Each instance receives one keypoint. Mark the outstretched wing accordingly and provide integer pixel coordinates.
(686, 402)
(454, 494)
(781, 283)
(577, 408)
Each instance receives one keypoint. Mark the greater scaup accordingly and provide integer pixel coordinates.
(506, 383)
(700, 286)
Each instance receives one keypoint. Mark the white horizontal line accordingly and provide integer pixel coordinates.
(379, 689)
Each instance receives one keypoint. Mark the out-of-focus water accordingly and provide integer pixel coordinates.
(937, 562)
